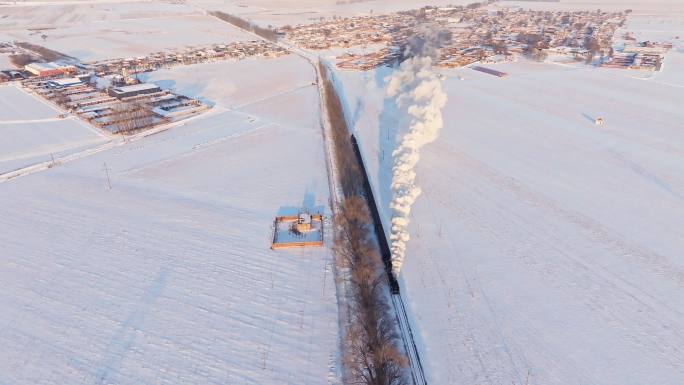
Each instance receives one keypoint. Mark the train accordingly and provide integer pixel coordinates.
(377, 223)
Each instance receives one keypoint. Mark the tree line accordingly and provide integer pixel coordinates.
(267, 33)
(371, 353)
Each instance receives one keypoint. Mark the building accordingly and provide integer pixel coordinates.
(301, 230)
(490, 71)
(49, 69)
(63, 83)
(133, 90)
(303, 224)
(14, 75)
(42, 69)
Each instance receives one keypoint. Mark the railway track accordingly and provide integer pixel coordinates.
(417, 372)
(415, 366)
(406, 334)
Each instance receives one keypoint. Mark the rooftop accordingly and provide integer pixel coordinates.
(65, 82)
(136, 87)
(41, 66)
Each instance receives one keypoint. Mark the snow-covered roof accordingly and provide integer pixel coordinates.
(65, 82)
(136, 87)
(41, 66)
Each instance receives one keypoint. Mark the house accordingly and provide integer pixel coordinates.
(13, 75)
(63, 83)
(42, 69)
(49, 69)
(133, 90)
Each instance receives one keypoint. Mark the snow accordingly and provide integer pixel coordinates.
(34, 142)
(236, 83)
(105, 31)
(5, 63)
(64, 13)
(32, 132)
(168, 277)
(137, 87)
(280, 13)
(671, 73)
(544, 249)
(283, 233)
(659, 7)
(16, 104)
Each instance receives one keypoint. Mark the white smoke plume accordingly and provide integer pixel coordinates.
(418, 89)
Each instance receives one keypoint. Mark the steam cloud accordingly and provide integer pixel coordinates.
(418, 89)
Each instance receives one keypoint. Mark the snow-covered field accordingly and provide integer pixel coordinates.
(5, 62)
(16, 104)
(659, 7)
(32, 132)
(235, 83)
(545, 249)
(168, 277)
(111, 30)
(279, 13)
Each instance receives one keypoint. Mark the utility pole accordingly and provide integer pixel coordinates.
(106, 170)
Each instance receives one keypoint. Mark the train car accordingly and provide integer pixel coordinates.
(377, 223)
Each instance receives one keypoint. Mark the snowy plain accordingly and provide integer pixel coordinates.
(32, 132)
(168, 277)
(5, 62)
(544, 249)
(98, 31)
(280, 13)
(235, 83)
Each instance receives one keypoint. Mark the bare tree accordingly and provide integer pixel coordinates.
(350, 174)
(22, 59)
(592, 46)
(61, 99)
(129, 117)
(267, 33)
(45, 53)
(372, 356)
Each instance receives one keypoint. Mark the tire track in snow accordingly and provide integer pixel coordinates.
(122, 341)
(610, 295)
(656, 263)
(506, 362)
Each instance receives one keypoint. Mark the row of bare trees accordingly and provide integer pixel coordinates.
(130, 117)
(371, 356)
(46, 54)
(122, 118)
(33, 53)
(21, 59)
(266, 33)
(371, 345)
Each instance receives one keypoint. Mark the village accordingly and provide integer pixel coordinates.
(108, 94)
(481, 33)
(477, 33)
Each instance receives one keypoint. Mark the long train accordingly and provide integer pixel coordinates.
(377, 223)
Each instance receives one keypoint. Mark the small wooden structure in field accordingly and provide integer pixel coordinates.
(302, 230)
